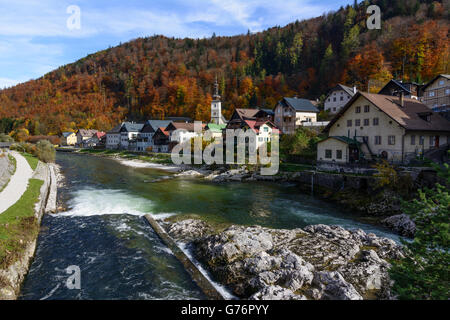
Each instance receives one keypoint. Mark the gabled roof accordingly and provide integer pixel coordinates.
(132, 127)
(407, 116)
(86, 132)
(182, 126)
(163, 131)
(339, 87)
(300, 105)
(67, 134)
(246, 113)
(116, 129)
(153, 125)
(447, 76)
(397, 83)
(215, 127)
(256, 124)
(98, 135)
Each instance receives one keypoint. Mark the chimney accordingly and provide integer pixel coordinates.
(402, 102)
(354, 90)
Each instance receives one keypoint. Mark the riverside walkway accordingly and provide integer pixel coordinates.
(18, 183)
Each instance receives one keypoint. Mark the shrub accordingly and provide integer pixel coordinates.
(5, 138)
(424, 273)
(45, 151)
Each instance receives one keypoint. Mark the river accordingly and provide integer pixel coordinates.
(120, 257)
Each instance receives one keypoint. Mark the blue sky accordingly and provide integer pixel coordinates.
(35, 39)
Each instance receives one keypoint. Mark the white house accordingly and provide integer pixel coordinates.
(379, 126)
(113, 137)
(181, 132)
(84, 134)
(338, 97)
(145, 136)
(128, 134)
(291, 113)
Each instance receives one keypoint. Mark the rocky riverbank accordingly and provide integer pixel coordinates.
(316, 263)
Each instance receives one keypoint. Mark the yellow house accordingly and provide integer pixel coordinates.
(68, 139)
(373, 125)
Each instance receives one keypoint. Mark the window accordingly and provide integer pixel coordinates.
(334, 99)
(441, 82)
(366, 122)
(377, 140)
(447, 91)
(328, 154)
(349, 123)
(266, 129)
(375, 121)
(421, 140)
(338, 154)
(431, 94)
(342, 98)
(431, 141)
(413, 140)
(334, 109)
(260, 139)
(357, 123)
(358, 109)
(367, 108)
(391, 140)
(329, 99)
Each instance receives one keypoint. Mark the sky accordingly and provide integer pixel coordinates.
(38, 36)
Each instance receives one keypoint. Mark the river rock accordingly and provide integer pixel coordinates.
(402, 224)
(332, 286)
(276, 293)
(188, 230)
(319, 262)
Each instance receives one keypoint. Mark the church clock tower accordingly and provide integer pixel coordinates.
(216, 106)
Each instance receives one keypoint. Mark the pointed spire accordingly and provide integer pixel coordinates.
(216, 95)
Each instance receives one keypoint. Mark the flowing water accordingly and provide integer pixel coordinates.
(120, 257)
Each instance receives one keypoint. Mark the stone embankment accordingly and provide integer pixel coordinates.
(13, 276)
(316, 263)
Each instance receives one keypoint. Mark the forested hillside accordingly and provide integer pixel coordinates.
(157, 77)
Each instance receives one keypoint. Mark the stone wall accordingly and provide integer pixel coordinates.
(11, 278)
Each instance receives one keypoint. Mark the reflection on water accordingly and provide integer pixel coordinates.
(119, 255)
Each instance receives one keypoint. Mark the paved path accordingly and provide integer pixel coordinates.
(18, 183)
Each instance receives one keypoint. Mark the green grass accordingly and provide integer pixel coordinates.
(14, 162)
(32, 160)
(18, 224)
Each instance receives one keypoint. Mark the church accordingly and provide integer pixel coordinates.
(216, 107)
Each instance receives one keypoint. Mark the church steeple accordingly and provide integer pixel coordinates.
(216, 95)
(216, 106)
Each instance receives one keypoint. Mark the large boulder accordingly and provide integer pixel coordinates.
(317, 262)
(402, 224)
(332, 286)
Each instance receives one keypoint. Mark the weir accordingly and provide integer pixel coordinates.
(203, 283)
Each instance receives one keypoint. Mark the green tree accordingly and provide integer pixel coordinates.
(45, 151)
(424, 273)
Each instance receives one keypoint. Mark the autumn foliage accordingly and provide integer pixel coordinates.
(157, 77)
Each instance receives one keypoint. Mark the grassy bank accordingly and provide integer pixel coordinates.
(32, 160)
(18, 224)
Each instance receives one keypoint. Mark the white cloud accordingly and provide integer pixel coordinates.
(5, 82)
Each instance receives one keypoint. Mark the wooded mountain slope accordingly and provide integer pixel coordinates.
(156, 77)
